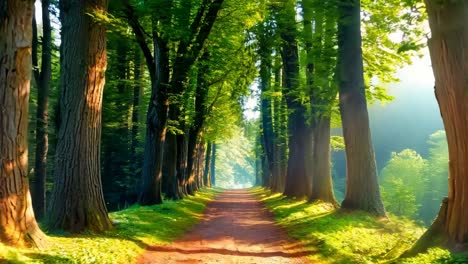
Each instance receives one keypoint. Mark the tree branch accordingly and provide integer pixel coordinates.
(140, 37)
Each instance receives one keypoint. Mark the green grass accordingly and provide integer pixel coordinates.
(137, 227)
(339, 236)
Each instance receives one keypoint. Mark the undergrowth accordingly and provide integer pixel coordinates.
(340, 236)
(136, 228)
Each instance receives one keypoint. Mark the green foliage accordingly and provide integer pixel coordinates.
(436, 255)
(337, 236)
(136, 228)
(392, 33)
(437, 176)
(401, 183)
(414, 187)
(337, 143)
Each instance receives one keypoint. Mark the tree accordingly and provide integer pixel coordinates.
(77, 201)
(436, 172)
(320, 42)
(158, 67)
(298, 178)
(42, 77)
(18, 225)
(403, 183)
(448, 21)
(362, 189)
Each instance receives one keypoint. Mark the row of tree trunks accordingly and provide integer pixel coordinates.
(17, 222)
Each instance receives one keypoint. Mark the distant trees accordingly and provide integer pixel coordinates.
(403, 183)
(18, 225)
(413, 186)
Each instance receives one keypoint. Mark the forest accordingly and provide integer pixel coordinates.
(233, 131)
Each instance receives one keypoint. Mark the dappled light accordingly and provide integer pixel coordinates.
(233, 131)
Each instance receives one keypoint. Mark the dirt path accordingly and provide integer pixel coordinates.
(236, 229)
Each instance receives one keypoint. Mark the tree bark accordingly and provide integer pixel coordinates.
(156, 128)
(362, 189)
(207, 167)
(280, 129)
(77, 202)
(448, 21)
(170, 186)
(322, 186)
(321, 99)
(18, 225)
(298, 178)
(213, 165)
(43, 78)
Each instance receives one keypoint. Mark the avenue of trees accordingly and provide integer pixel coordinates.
(127, 101)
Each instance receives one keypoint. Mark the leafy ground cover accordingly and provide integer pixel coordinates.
(340, 236)
(136, 228)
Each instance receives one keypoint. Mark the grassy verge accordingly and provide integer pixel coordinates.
(137, 227)
(339, 236)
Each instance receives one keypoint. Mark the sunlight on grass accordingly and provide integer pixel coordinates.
(136, 228)
(348, 237)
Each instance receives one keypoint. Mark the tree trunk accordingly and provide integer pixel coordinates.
(150, 193)
(77, 202)
(182, 164)
(201, 163)
(280, 129)
(266, 174)
(449, 54)
(43, 77)
(298, 180)
(321, 99)
(18, 225)
(362, 189)
(213, 165)
(170, 187)
(206, 171)
(137, 90)
(322, 186)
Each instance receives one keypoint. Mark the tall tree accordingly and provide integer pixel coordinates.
(448, 21)
(298, 179)
(320, 41)
(77, 201)
(207, 167)
(213, 164)
(42, 76)
(158, 67)
(17, 222)
(362, 189)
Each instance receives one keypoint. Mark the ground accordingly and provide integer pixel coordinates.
(236, 228)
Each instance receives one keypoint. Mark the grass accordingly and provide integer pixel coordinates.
(136, 228)
(339, 236)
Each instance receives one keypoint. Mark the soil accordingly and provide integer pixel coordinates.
(236, 228)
